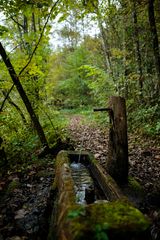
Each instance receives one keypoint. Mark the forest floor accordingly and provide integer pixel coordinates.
(26, 197)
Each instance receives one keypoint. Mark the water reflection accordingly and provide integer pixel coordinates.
(82, 180)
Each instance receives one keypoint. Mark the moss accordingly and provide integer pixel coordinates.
(97, 221)
(76, 211)
(76, 224)
(118, 215)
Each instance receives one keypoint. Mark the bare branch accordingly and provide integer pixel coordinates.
(14, 20)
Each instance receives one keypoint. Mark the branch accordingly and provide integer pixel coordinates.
(7, 95)
(17, 108)
(41, 35)
(30, 59)
(14, 20)
(14, 48)
(6, 19)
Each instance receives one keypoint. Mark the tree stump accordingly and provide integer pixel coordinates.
(117, 164)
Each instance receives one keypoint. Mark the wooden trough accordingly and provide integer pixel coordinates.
(113, 219)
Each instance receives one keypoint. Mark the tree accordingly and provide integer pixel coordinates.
(24, 97)
(155, 42)
(15, 106)
(137, 46)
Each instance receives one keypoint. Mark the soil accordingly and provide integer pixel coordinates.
(26, 201)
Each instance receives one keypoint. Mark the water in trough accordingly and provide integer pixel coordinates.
(85, 187)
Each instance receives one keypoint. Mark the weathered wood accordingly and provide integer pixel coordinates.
(117, 164)
(106, 183)
(117, 219)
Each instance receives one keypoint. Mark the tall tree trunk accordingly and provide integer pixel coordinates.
(25, 24)
(105, 45)
(39, 24)
(24, 97)
(33, 23)
(137, 46)
(27, 45)
(21, 38)
(155, 42)
(125, 68)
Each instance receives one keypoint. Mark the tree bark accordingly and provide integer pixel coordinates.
(137, 46)
(117, 164)
(33, 23)
(25, 24)
(24, 97)
(105, 46)
(155, 42)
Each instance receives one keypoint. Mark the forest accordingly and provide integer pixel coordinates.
(60, 60)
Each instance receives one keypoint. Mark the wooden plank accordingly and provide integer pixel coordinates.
(117, 164)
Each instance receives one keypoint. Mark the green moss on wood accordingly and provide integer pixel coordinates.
(103, 219)
(118, 215)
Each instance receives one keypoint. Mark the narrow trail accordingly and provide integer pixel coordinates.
(90, 138)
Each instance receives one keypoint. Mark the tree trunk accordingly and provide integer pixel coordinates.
(24, 97)
(137, 46)
(33, 23)
(117, 164)
(25, 24)
(105, 46)
(155, 42)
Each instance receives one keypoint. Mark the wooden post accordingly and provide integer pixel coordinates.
(117, 164)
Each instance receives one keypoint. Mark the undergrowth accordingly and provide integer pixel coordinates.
(22, 144)
(145, 120)
(88, 115)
